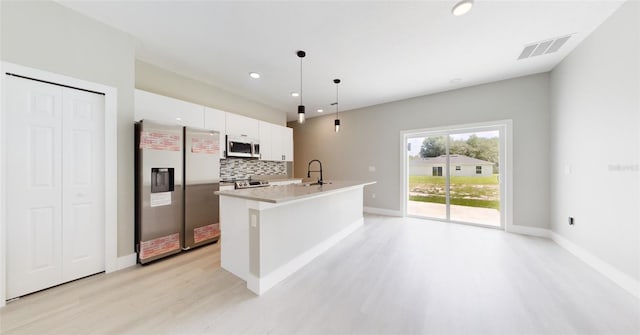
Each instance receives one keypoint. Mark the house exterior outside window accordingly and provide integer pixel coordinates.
(460, 165)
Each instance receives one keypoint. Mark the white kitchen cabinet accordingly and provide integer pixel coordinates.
(276, 142)
(167, 110)
(282, 138)
(266, 143)
(215, 119)
(287, 143)
(238, 125)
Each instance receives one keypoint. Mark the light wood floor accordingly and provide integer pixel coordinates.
(392, 276)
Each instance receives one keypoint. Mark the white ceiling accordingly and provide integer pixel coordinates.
(383, 51)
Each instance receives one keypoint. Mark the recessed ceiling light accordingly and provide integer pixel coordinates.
(320, 111)
(254, 75)
(462, 7)
(295, 94)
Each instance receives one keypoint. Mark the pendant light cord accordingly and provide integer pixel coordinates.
(300, 80)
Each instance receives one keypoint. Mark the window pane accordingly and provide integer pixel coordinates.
(474, 192)
(427, 161)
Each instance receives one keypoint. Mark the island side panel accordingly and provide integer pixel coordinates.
(234, 235)
(290, 236)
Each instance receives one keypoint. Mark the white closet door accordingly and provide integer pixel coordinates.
(83, 184)
(55, 185)
(33, 205)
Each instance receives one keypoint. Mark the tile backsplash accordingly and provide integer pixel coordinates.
(239, 168)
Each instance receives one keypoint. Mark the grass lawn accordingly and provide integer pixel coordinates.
(495, 204)
(465, 191)
(489, 180)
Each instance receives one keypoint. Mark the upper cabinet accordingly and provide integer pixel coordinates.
(238, 125)
(276, 142)
(287, 143)
(266, 144)
(283, 142)
(167, 110)
(215, 119)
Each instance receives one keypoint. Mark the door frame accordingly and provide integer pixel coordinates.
(110, 157)
(506, 162)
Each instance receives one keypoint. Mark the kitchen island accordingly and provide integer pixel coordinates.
(268, 233)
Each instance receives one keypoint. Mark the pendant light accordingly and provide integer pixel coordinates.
(336, 123)
(301, 117)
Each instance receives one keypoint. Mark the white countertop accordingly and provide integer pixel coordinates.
(291, 192)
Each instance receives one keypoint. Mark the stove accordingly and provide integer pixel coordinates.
(241, 184)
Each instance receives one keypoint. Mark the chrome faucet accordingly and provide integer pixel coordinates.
(320, 181)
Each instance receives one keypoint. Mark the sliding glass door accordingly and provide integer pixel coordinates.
(455, 175)
(427, 177)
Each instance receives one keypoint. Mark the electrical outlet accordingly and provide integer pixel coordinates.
(373, 195)
(571, 221)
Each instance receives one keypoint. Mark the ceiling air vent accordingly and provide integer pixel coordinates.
(543, 47)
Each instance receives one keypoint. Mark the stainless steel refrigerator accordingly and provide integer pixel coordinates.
(202, 179)
(177, 173)
(159, 196)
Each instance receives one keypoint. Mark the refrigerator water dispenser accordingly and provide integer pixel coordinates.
(162, 180)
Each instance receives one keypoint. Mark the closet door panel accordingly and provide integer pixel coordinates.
(34, 171)
(83, 188)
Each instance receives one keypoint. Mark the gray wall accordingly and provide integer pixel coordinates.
(371, 137)
(157, 80)
(47, 36)
(595, 106)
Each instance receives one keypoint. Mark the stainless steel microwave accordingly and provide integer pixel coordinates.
(242, 146)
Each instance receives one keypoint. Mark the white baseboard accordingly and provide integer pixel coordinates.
(261, 285)
(622, 279)
(126, 261)
(381, 211)
(526, 230)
